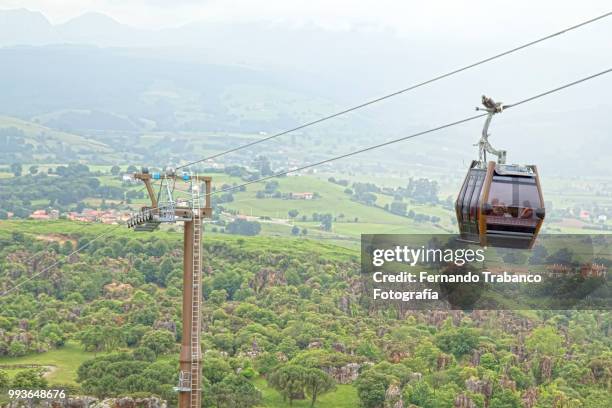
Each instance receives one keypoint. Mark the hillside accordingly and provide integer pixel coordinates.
(25, 141)
(273, 304)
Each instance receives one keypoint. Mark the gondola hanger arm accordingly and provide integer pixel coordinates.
(484, 147)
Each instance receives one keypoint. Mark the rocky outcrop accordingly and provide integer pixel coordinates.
(529, 398)
(463, 401)
(339, 347)
(483, 387)
(475, 360)
(344, 304)
(444, 361)
(415, 377)
(90, 402)
(393, 396)
(546, 368)
(397, 355)
(115, 290)
(254, 351)
(507, 383)
(315, 345)
(267, 277)
(166, 324)
(345, 374)
(133, 403)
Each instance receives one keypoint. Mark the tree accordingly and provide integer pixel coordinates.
(217, 297)
(289, 380)
(420, 394)
(98, 338)
(371, 388)
(17, 349)
(457, 341)
(545, 341)
(159, 341)
(422, 190)
(398, 207)
(229, 281)
(271, 187)
(262, 164)
(67, 248)
(505, 399)
(92, 338)
(293, 213)
(563, 256)
(53, 334)
(295, 230)
(4, 380)
(366, 198)
(29, 379)
(235, 391)
(243, 227)
(33, 169)
(16, 169)
(595, 399)
(215, 369)
(317, 382)
(326, 221)
(115, 170)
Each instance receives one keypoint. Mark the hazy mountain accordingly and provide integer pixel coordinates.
(92, 75)
(98, 29)
(21, 26)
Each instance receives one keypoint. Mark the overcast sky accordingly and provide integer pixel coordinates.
(470, 18)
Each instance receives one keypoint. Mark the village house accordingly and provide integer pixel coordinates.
(591, 270)
(558, 270)
(43, 215)
(302, 196)
(104, 216)
(40, 215)
(128, 178)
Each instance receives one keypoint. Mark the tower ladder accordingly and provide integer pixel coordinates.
(196, 298)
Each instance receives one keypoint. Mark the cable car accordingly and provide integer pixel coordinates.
(499, 204)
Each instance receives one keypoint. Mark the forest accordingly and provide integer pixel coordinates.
(284, 318)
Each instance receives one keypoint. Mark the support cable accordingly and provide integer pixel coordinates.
(59, 261)
(401, 139)
(81, 229)
(526, 100)
(404, 90)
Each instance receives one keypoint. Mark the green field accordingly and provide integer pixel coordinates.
(39, 135)
(370, 219)
(62, 362)
(345, 396)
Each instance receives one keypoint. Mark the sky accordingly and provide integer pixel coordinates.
(436, 37)
(473, 18)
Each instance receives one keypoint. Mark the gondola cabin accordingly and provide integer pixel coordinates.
(500, 205)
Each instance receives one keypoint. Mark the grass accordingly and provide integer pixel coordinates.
(333, 200)
(66, 361)
(345, 396)
(34, 131)
(255, 244)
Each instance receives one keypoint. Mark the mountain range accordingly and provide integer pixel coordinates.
(93, 75)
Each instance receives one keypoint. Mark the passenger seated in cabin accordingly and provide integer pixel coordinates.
(527, 211)
(499, 208)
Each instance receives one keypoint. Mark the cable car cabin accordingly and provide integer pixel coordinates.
(500, 205)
